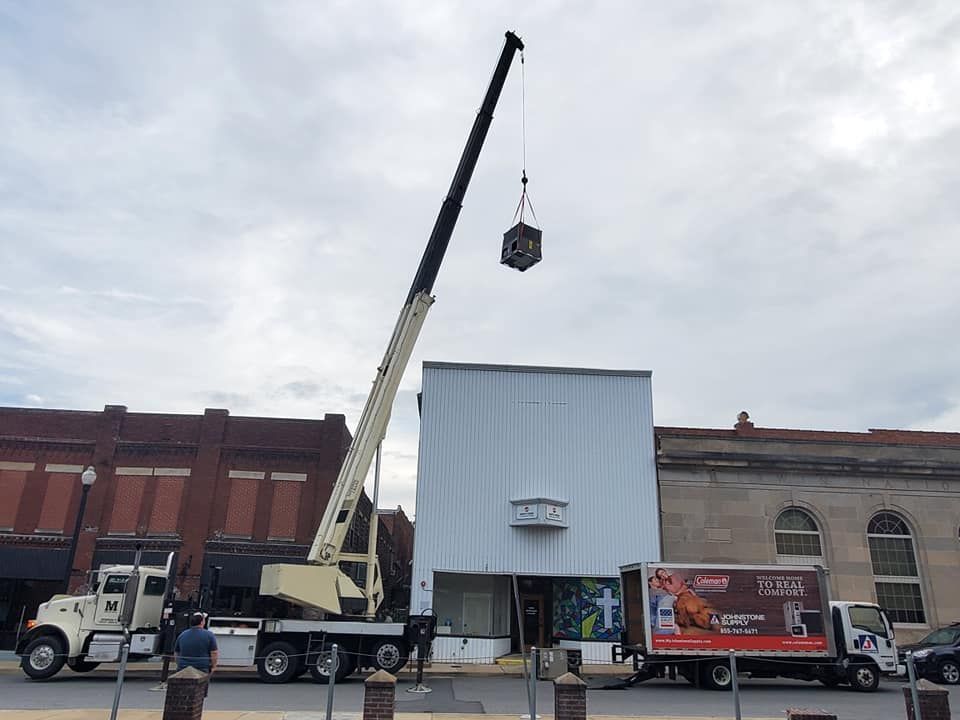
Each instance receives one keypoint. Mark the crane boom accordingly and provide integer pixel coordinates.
(293, 582)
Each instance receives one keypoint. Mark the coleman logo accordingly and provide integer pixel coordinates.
(711, 582)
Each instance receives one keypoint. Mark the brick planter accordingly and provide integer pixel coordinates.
(185, 692)
(570, 698)
(379, 696)
(934, 701)
(809, 714)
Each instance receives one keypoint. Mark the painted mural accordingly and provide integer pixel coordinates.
(587, 609)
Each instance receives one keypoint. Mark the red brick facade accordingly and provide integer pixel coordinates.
(191, 484)
(400, 570)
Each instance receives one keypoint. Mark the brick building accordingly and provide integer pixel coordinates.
(398, 571)
(879, 509)
(234, 492)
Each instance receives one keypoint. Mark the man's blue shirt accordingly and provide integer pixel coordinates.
(193, 648)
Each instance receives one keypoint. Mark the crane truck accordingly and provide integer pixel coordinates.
(84, 631)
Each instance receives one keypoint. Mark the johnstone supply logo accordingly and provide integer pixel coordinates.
(665, 618)
(711, 582)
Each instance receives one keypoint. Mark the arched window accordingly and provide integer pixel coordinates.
(895, 568)
(798, 538)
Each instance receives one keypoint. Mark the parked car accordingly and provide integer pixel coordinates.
(937, 656)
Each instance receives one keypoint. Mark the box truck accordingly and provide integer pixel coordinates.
(686, 619)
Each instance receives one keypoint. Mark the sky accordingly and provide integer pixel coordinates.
(222, 204)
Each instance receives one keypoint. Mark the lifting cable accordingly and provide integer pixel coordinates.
(525, 200)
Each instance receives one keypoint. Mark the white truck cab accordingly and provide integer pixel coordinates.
(83, 631)
(865, 631)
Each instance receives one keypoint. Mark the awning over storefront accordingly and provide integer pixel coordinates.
(32, 563)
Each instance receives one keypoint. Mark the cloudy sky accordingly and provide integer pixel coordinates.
(222, 204)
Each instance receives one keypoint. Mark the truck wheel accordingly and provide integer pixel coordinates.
(43, 657)
(82, 666)
(949, 672)
(279, 663)
(390, 655)
(320, 666)
(717, 675)
(864, 677)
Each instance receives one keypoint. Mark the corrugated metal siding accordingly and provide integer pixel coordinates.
(491, 435)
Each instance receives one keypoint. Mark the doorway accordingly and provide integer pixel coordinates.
(532, 612)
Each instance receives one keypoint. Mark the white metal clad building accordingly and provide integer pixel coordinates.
(545, 473)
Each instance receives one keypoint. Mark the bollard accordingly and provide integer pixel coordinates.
(379, 696)
(570, 698)
(185, 692)
(735, 686)
(912, 679)
(334, 664)
(532, 683)
(124, 654)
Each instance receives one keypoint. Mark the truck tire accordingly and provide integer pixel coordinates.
(390, 655)
(717, 675)
(43, 657)
(82, 666)
(279, 663)
(863, 676)
(320, 666)
(948, 672)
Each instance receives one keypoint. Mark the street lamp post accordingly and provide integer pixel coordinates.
(87, 478)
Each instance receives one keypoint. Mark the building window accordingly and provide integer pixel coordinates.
(165, 513)
(895, 572)
(285, 510)
(798, 538)
(56, 502)
(241, 507)
(472, 605)
(12, 483)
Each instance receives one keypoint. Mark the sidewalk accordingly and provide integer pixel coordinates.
(240, 715)
(152, 668)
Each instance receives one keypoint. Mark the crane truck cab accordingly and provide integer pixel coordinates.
(83, 631)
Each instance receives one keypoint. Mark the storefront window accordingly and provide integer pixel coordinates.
(472, 605)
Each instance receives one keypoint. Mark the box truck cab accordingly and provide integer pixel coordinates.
(685, 619)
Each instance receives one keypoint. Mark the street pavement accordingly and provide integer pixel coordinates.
(455, 695)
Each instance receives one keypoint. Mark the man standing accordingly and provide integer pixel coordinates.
(196, 647)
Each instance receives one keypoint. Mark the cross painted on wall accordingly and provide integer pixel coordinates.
(607, 603)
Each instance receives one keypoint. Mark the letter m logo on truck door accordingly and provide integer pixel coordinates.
(110, 600)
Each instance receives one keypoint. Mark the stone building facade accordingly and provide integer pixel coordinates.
(219, 490)
(879, 509)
